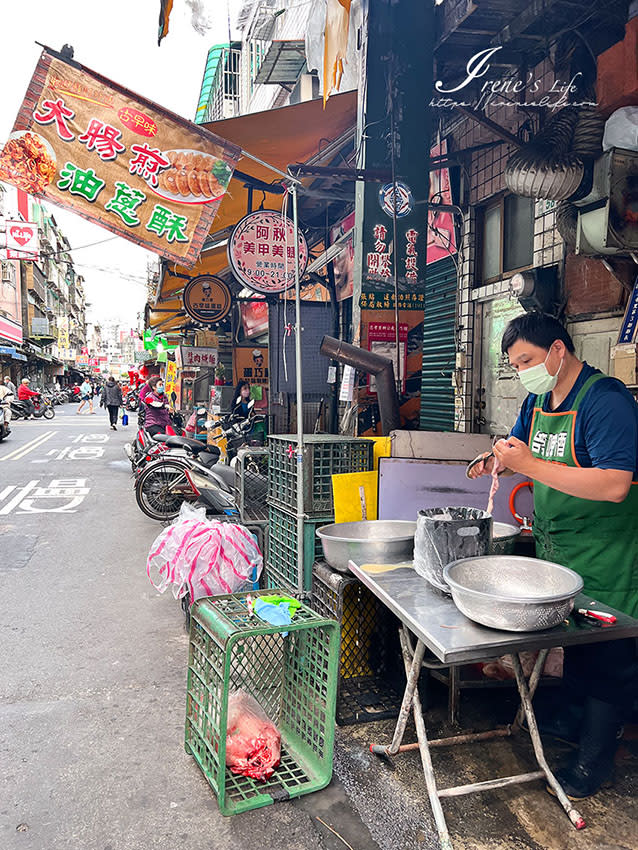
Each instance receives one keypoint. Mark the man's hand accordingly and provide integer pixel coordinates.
(514, 454)
(483, 467)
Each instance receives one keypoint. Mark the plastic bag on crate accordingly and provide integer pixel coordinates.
(202, 557)
(253, 742)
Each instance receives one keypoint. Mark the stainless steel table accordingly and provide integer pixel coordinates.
(451, 638)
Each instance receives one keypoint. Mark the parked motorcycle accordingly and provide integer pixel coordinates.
(189, 471)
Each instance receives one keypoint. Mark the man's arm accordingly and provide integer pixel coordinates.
(597, 485)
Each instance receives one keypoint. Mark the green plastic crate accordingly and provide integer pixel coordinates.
(281, 555)
(293, 678)
(324, 455)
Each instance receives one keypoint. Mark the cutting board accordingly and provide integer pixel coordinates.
(408, 485)
(347, 496)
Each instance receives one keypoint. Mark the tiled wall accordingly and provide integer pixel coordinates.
(486, 174)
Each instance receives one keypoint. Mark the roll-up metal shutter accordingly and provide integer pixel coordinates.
(439, 350)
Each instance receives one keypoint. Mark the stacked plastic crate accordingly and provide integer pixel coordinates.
(324, 455)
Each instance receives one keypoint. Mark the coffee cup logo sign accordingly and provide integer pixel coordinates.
(207, 299)
(261, 252)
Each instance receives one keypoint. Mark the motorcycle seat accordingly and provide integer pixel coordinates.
(194, 446)
(226, 473)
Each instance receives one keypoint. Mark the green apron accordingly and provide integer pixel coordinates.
(598, 540)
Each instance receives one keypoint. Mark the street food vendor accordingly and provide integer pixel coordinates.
(576, 437)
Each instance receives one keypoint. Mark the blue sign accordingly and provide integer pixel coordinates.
(7, 349)
(630, 322)
(396, 196)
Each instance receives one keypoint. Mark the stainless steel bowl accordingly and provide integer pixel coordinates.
(375, 541)
(504, 537)
(512, 592)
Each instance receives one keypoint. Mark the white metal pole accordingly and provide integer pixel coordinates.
(299, 389)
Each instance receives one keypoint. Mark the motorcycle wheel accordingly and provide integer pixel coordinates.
(48, 413)
(152, 490)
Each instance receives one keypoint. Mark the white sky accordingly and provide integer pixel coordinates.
(119, 40)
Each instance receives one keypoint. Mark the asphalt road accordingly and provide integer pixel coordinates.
(93, 661)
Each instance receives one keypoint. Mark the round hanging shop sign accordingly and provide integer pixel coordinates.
(207, 299)
(261, 252)
(396, 195)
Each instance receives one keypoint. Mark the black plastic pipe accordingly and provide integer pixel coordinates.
(374, 364)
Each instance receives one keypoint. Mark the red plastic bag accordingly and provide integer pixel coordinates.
(253, 742)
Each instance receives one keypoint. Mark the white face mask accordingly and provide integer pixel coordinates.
(537, 379)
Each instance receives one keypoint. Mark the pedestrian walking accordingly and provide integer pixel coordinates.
(111, 399)
(86, 394)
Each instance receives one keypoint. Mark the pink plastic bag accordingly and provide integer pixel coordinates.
(253, 742)
(202, 557)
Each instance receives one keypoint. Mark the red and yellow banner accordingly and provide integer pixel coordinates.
(115, 158)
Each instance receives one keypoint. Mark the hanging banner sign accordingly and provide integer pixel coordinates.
(117, 159)
(82, 360)
(261, 252)
(23, 242)
(207, 299)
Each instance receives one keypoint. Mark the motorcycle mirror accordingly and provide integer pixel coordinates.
(173, 396)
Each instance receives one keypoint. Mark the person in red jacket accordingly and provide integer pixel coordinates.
(25, 395)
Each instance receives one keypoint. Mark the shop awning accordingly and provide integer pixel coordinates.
(279, 137)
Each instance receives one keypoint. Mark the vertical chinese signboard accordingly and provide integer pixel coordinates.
(117, 159)
(397, 40)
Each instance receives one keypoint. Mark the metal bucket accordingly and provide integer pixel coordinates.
(444, 535)
(504, 537)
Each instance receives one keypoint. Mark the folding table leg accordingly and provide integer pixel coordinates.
(424, 748)
(412, 672)
(532, 684)
(574, 816)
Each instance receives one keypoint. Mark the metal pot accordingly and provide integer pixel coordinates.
(367, 542)
(504, 537)
(512, 592)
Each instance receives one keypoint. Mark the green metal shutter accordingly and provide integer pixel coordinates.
(439, 350)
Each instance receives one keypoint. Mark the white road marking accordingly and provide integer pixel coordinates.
(17, 499)
(32, 444)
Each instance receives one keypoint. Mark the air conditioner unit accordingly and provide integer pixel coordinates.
(608, 215)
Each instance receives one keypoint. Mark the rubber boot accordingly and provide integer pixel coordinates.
(593, 764)
(563, 723)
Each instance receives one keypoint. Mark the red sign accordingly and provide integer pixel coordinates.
(261, 252)
(22, 240)
(117, 159)
(254, 317)
(441, 234)
(137, 122)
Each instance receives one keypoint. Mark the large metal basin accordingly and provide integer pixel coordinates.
(375, 541)
(512, 592)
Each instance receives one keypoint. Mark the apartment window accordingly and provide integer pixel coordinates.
(507, 237)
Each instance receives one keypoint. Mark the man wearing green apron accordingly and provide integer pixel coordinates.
(576, 437)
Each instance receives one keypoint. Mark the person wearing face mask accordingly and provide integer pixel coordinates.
(157, 416)
(576, 437)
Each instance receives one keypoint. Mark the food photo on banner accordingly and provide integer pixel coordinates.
(91, 146)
